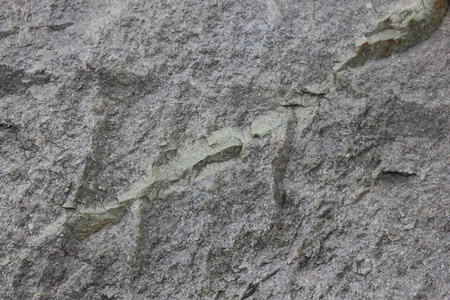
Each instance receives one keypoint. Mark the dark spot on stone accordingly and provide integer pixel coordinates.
(59, 27)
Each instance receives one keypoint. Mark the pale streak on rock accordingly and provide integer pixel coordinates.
(220, 146)
(264, 125)
(274, 12)
(50, 231)
(411, 22)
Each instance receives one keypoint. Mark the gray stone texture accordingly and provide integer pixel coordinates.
(224, 149)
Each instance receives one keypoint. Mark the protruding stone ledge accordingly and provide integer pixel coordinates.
(411, 22)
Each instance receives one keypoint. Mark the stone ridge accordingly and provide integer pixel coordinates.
(195, 156)
(220, 146)
(411, 22)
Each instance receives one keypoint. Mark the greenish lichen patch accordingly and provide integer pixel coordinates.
(412, 22)
(220, 146)
(93, 223)
(90, 220)
(264, 125)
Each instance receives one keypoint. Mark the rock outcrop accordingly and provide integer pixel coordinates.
(224, 149)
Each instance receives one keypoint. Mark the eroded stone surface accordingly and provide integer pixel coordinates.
(245, 165)
(410, 23)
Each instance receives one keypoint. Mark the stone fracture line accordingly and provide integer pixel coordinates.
(220, 146)
(410, 23)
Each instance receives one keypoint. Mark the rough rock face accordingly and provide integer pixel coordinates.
(263, 149)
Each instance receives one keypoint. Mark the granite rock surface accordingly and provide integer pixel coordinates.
(254, 149)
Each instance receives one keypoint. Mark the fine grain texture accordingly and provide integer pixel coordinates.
(253, 149)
